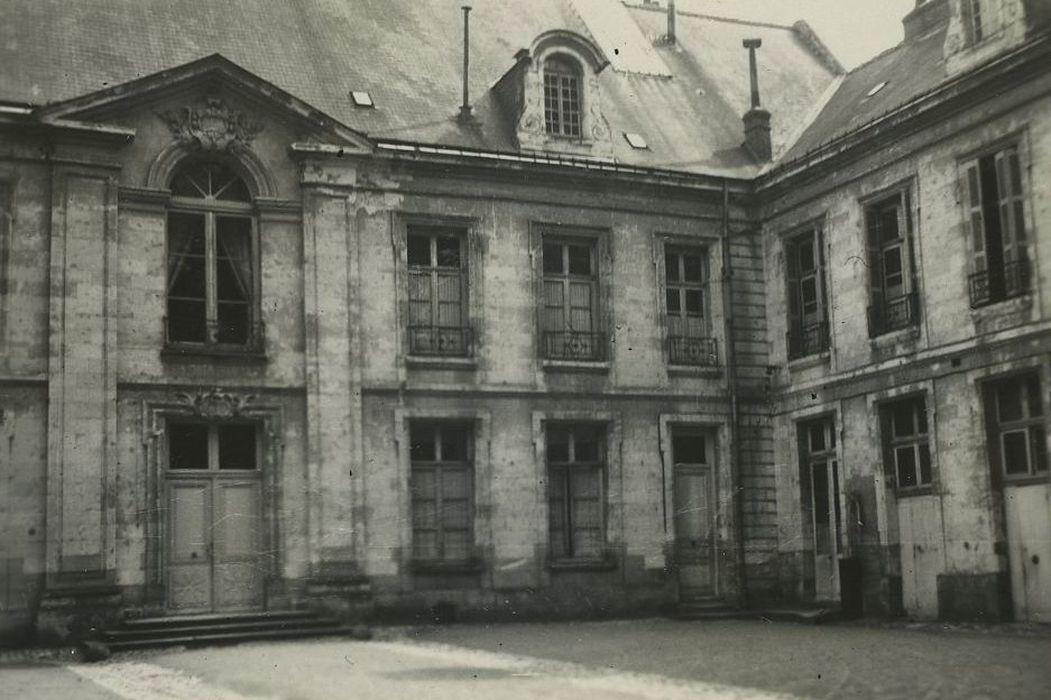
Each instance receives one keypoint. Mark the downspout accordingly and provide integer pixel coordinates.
(731, 390)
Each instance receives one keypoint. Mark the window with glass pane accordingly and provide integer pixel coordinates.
(442, 486)
(576, 502)
(685, 305)
(569, 325)
(562, 110)
(807, 319)
(210, 446)
(906, 442)
(437, 274)
(997, 230)
(211, 271)
(1017, 422)
(893, 303)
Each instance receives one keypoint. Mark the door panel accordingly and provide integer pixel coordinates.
(922, 558)
(1028, 511)
(238, 583)
(824, 485)
(694, 529)
(189, 565)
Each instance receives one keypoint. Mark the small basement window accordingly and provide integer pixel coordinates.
(636, 140)
(361, 98)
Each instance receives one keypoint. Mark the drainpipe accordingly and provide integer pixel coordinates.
(731, 390)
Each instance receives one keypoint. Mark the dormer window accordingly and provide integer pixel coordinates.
(980, 18)
(562, 97)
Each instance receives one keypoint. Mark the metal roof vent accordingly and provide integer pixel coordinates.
(361, 98)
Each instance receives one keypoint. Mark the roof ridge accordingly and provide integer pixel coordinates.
(687, 13)
(878, 56)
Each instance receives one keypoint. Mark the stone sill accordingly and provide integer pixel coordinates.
(1023, 302)
(913, 491)
(576, 366)
(888, 338)
(695, 371)
(801, 363)
(605, 564)
(192, 353)
(445, 568)
(437, 362)
(1027, 480)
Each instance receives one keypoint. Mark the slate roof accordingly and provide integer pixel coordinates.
(408, 55)
(908, 70)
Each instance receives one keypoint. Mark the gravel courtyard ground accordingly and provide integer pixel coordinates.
(652, 659)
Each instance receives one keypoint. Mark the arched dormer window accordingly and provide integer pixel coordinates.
(562, 97)
(212, 281)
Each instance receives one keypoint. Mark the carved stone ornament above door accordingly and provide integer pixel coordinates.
(211, 125)
(216, 403)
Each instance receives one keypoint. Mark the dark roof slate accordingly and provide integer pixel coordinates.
(407, 54)
(908, 70)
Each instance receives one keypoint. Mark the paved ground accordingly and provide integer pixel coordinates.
(650, 659)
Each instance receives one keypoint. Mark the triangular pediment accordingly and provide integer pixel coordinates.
(198, 81)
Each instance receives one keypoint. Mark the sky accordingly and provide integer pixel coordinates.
(854, 30)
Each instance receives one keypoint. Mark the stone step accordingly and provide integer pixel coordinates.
(204, 619)
(213, 637)
(249, 625)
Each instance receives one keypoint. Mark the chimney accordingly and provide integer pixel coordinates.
(465, 108)
(756, 120)
(671, 21)
(927, 16)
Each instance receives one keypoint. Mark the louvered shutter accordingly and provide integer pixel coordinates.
(795, 313)
(975, 221)
(875, 251)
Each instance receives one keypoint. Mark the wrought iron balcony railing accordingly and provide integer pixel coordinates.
(1006, 282)
(574, 345)
(441, 341)
(807, 340)
(684, 350)
(893, 314)
(215, 337)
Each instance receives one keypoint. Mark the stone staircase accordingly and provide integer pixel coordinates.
(225, 628)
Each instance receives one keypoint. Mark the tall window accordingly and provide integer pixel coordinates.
(570, 328)
(562, 97)
(211, 281)
(807, 317)
(576, 485)
(441, 483)
(996, 219)
(981, 19)
(197, 445)
(907, 452)
(1018, 444)
(438, 292)
(685, 306)
(894, 301)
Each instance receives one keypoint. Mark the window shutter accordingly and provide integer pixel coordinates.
(975, 222)
(794, 294)
(875, 270)
(819, 255)
(1009, 193)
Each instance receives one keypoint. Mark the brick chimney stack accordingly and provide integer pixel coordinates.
(756, 120)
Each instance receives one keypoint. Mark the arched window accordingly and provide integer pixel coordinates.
(211, 292)
(562, 97)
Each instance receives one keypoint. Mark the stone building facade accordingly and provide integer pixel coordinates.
(292, 328)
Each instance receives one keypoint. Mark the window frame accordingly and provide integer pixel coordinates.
(440, 467)
(212, 210)
(558, 116)
(797, 346)
(212, 448)
(982, 20)
(562, 472)
(918, 441)
(1004, 271)
(1033, 425)
(696, 345)
(458, 341)
(888, 313)
(595, 349)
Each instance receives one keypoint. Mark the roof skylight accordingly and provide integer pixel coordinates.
(876, 89)
(636, 140)
(361, 98)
